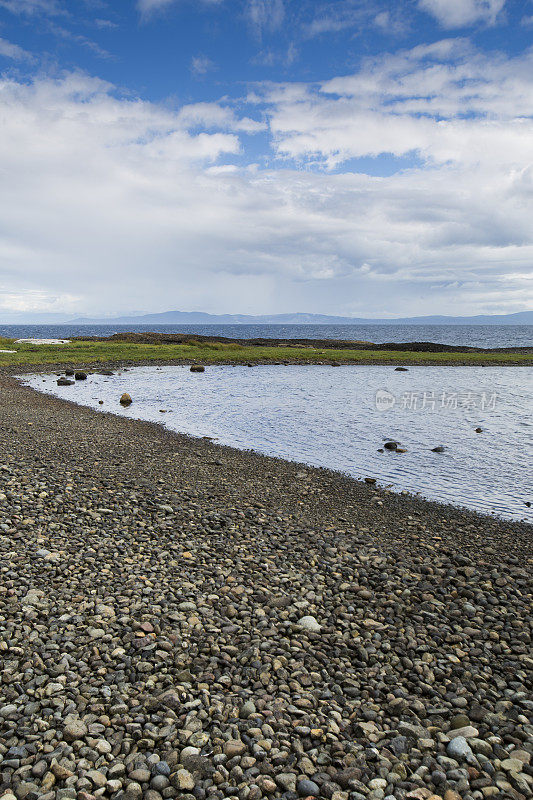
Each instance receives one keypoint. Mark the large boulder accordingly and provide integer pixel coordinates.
(197, 368)
(126, 400)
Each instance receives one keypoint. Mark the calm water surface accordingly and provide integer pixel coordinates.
(330, 417)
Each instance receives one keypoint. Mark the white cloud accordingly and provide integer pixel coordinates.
(201, 65)
(392, 23)
(265, 15)
(31, 6)
(214, 115)
(106, 191)
(148, 7)
(341, 15)
(460, 13)
(34, 301)
(14, 51)
(444, 102)
(105, 24)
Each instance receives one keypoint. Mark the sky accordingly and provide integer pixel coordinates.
(351, 157)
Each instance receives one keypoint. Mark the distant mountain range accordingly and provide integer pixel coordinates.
(201, 318)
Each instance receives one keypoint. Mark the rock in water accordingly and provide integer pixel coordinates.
(439, 449)
(391, 445)
(64, 382)
(401, 369)
(80, 376)
(126, 400)
(197, 368)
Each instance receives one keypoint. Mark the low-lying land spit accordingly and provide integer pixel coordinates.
(328, 344)
(129, 348)
(184, 620)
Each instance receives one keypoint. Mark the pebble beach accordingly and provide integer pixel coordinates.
(184, 620)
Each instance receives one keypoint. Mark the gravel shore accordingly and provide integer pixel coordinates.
(179, 619)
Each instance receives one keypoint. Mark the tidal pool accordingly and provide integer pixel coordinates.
(341, 417)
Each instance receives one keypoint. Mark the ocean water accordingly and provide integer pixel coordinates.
(466, 335)
(340, 418)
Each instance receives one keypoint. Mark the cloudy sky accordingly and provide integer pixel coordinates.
(352, 157)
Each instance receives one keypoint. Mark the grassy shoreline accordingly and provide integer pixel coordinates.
(86, 353)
